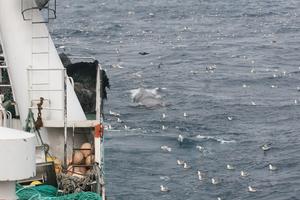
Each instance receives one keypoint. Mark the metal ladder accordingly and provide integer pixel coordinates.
(38, 73)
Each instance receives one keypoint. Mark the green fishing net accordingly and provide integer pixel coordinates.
(48, 192)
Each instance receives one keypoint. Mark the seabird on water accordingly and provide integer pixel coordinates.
(114, 113)
(265, 147)
(186, 166)
(244, 174)
(230, 167)
(251, 189)
(166, 148)
(200, 148)
(215, 181)
(272, 167)
(119, 120)
(180, 138)
(164, 188)
(126, 127)
(200, 175)
(180, 162)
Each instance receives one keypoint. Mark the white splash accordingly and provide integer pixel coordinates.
(222, 141)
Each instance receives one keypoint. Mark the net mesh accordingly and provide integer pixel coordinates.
(48, 192)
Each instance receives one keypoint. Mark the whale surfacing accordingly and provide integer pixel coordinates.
(147, 97)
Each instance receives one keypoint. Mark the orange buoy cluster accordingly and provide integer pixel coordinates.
(81, 161)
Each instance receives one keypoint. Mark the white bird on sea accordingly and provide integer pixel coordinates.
(186, 166)
(119, 120)
(200, 148)
(284, 73)
(295, 101)
(251, 189)
(273, 86)
(230, 118)
(219, 198)
(118, 66)
(180, 138)
(215, 181)
(244, 86)
(108, 127)
(126, 127)
(137, 74)
(165, 178)
(180, 162)
(166, 148)
(252, 70)
(185, 114)
(163, 127)
(164, 116)
(244, 174)
(272, 167)
(265, 147)
(230, 167)
(164, 188)
(253, 103)
(114, 113)
(200, 176)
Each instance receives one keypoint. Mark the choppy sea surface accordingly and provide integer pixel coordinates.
(232, 66)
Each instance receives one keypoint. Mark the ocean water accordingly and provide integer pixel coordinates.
(232, 66)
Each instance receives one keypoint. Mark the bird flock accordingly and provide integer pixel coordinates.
(201, 176)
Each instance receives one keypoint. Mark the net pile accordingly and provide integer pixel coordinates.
(48, 192)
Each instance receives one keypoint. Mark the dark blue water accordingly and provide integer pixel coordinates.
(255, 49)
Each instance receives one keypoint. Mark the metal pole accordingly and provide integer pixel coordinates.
(65, 118)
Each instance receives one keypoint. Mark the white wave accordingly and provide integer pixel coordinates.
(222, 141)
